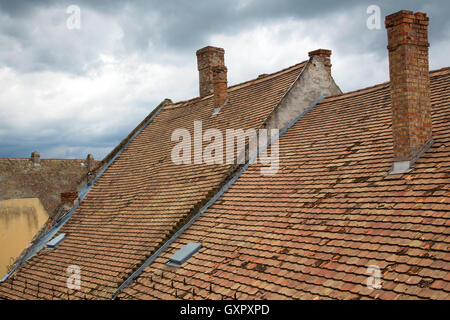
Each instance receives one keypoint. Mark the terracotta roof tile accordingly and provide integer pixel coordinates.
(143, 196)
(312, 230)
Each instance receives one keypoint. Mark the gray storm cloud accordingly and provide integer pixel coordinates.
(81, 91)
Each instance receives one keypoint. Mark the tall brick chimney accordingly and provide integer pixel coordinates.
(208, 58)
(324, 55)
(410, 87)
(36, 158)
(220, 86)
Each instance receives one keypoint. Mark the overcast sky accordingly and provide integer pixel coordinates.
(67, 92)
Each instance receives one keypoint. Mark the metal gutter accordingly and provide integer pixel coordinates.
(222, 190)
(81, 195)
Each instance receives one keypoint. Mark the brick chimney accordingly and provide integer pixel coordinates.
(208, 58)
(90, 162)
(410, 87)
(220, 86)
(324, 55)
(90, 165)
(36, 158)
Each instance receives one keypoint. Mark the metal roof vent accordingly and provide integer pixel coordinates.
(182, 255)
(55, 241)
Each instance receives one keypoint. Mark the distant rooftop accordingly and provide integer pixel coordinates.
(21, 178)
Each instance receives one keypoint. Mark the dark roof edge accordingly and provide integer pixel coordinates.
(357, 92)
(111, 157)
(212, 197)
(269, 76)
(439, 72)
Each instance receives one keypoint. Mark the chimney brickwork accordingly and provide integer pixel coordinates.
(410, 84)
(208, 58)
(90, 162)
(36, 158)
(220, 86)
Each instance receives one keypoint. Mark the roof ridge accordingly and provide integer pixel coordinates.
(433, 73)
(357, 92)
(438, 72)
(267, 76)
(239, 85)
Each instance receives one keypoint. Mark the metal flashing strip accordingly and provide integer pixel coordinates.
(222, 190)
(401, 167)
(81, 195)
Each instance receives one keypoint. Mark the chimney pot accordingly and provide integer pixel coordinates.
(207, 58)
(90, 162)
(36, 158)
(410, 86)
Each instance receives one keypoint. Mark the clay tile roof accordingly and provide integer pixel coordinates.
(142, 197)
(314, 229)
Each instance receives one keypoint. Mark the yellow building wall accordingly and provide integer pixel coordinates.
(19, 222)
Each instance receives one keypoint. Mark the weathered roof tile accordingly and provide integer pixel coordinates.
(143, 196)
(312, 230)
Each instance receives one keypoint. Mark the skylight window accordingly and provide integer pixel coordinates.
(182, 255)
(216, 111)
(55, 241)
